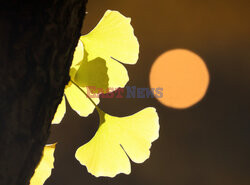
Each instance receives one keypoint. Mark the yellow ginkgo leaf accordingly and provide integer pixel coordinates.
(61, 110)
(112, 37)
(101, 74)
(43, 170)
(79, 101)
(105, 153)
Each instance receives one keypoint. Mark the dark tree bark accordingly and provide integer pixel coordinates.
(37, 41)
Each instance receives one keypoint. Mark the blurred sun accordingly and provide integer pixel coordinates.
(183, 75)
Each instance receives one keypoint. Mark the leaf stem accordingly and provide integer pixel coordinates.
(98, 109)
(116, 59)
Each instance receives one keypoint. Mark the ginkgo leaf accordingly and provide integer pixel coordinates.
(60, 112)
(43, 170)
(105, 153)
(78, 101)
(112, 37)
(101, 74)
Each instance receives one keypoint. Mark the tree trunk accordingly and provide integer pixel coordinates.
(37, 41)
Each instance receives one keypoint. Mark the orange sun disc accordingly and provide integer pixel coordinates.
(183, 75)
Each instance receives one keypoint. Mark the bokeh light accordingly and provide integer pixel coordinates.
(183, 75)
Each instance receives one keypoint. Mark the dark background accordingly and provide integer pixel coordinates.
(207, 144)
